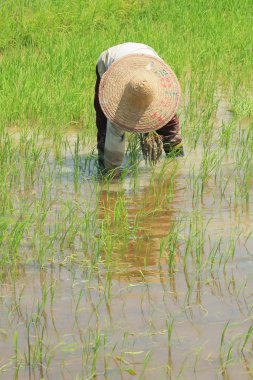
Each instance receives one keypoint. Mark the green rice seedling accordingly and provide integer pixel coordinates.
(17, 299)
(169, 333)
(81, 293)
(108, 283)
(210, 162)
(162, 183)
(15, 236)
(240, 292)
(16, 352)
(145, 363)
(169, 247)
(37, 354)
(213, 255)
(222, 343)
(195, 244)
(247, 337)
(76, 163)
(229, 253)
(133, 150)
(226, 133)
(95, 353)
(188, 295)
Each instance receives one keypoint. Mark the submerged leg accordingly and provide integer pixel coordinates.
(114, 149)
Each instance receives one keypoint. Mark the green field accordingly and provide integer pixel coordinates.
(148, 276)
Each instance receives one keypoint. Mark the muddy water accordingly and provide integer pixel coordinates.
(133, 315)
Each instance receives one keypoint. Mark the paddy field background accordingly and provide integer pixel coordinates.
(149, 276)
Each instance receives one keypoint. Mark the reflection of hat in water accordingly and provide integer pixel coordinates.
(139, 93)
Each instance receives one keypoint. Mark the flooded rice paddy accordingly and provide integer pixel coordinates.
(147, 276)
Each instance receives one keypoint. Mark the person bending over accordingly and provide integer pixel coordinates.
(135, 91)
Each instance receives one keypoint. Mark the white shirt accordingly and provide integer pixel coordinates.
(115, 137)
(116, 52)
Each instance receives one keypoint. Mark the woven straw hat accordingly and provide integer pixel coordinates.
(139, 93)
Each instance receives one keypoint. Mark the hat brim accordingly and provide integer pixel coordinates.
(162, 108)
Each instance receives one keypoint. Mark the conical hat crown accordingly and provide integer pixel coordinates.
(139, 93)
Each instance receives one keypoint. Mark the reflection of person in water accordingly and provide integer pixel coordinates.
(136, 91)
(138, 240)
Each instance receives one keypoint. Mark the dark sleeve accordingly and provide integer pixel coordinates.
(101, 120)
(170, 132)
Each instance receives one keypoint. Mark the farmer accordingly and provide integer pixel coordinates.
(137, 92)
